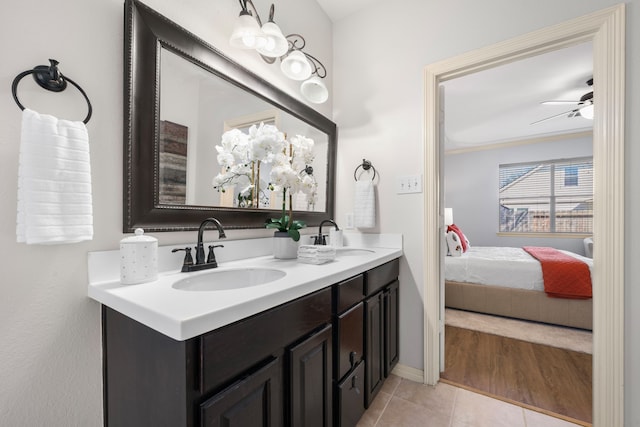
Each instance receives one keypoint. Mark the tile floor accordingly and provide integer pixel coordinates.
(404, 403)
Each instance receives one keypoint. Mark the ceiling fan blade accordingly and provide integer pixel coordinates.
(559, 102)
(554, 116)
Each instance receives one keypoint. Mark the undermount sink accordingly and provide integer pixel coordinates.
(219, 280)
(352, 251)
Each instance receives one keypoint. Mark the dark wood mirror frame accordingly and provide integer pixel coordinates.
(146, 32)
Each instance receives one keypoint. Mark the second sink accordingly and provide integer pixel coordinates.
(219, 280)
(347, 251)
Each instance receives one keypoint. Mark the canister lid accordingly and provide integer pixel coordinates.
(138, 238)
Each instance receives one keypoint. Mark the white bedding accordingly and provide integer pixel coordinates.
(508, 267)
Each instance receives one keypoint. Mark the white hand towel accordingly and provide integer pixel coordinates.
(316, 254)
(54, 181)
(364, 212)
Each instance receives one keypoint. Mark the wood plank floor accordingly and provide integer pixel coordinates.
(549, 378)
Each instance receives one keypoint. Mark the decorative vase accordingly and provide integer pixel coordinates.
(284, 247)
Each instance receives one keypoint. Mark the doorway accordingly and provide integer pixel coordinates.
(606, 30)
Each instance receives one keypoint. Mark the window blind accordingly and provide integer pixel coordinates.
(553, 196)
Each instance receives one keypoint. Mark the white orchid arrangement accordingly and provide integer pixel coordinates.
(241, 156)
(291, 171)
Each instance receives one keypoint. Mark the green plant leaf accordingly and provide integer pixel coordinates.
(295, 234)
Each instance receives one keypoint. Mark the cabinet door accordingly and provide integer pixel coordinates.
(310, 381)
(391, 332)
(255, 400)
(349, 340)
(374, 345)
(350, 399)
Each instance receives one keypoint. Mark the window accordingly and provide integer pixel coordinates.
(571, 176)
(554, 196)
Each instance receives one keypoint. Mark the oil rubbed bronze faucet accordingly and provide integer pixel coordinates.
(201, 263)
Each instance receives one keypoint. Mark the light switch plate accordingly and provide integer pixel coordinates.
(409, 184)
(349, 221)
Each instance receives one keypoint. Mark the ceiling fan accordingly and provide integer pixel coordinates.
(584, 106)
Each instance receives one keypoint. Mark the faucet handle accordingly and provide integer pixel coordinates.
(188, 259)
(320, 239)
(211, 257)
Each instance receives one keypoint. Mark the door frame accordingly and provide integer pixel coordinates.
(606, 30)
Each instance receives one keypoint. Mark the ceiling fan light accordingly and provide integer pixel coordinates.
(314, 90)
(276, 44)
(587, 111)
(296, 66)
(247, 33)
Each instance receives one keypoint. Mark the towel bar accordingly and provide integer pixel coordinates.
(366, 165)
(49, 78)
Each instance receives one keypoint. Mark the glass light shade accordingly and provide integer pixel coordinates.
(587, 111)
(247, 34)
(296, 66)
(276, 45)
(314, 90)
(448, 216)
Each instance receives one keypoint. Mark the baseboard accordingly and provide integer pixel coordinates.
(409, 373)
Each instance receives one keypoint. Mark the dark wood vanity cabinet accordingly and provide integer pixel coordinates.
(381, 309)
(264, 370)
(348, 366)
(365, 327)
(303, 363)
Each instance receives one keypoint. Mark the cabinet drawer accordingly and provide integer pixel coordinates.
(349, 337)
(351, 397)
(347, 293)
(380, 276)
(229, 351)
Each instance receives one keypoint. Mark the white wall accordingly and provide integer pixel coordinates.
(50, 357)
(379, 58)
(470, 189)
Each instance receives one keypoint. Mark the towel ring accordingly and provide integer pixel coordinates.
(49, 78)
(366, 165)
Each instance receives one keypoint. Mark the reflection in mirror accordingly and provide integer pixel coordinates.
(192, 124)
(182, 95)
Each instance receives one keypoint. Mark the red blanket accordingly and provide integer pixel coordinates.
(564, 276)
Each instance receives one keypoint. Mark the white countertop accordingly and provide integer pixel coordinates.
(183, 314)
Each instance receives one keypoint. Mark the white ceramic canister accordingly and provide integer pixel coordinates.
(336, 238)
(138, 258)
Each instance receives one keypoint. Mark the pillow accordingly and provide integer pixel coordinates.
(454, 244)
(463, 239)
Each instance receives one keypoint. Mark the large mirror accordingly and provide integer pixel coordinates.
(181, 97)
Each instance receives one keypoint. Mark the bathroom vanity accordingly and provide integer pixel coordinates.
(317, 357)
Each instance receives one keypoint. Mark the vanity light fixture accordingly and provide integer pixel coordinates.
(269, 41)
(295, 66)
(247, 34)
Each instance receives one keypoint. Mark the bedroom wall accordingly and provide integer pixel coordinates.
(379, 58)
(470, 189)
(51, 352)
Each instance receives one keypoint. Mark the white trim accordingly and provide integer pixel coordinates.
(245, 122)
(408, 372)
(518, 142)
(606, 29)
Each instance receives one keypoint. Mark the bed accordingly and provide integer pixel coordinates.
(508, 282)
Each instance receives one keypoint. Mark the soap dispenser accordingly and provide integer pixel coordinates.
(138, 258)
